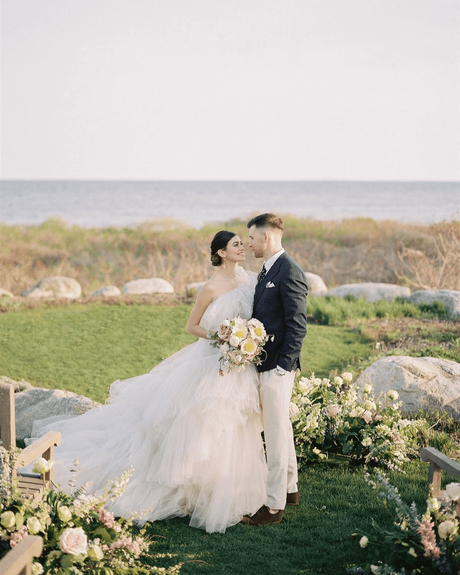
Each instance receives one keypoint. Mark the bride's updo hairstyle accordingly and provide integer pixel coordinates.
(219, 242)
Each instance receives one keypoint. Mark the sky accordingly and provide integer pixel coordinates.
(230, 89)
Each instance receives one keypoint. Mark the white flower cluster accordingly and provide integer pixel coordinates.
(240, 341)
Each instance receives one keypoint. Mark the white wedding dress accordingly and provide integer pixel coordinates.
(192, 436)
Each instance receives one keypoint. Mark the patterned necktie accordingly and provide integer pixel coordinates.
(263, 273)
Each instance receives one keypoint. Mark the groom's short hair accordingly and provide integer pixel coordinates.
(267, 221)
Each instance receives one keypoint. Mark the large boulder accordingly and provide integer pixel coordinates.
(371, 291)
(315, 283)
(50, 404)
(426, 383)
(108, 291)
(5, 293)
(147, 286)
(450, 298)
(54, 287)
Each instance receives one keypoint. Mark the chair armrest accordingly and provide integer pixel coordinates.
(21, 555)
(445, 463)
(38, 448)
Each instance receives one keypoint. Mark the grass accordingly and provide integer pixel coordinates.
(84, 348)
(314, 538)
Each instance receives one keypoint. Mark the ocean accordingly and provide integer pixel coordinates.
(196, 203)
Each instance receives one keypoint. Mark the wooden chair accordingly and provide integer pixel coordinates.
(31, 484)
(18, 561)
(438, 461)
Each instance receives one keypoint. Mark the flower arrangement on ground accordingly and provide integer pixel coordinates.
(79, 534)
(427, 544)
(241, 343)
(329, 419)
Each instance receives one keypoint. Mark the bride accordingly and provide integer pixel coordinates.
(192, 436)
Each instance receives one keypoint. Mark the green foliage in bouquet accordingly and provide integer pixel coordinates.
(331, 422)
(427, 544)
(80, 535)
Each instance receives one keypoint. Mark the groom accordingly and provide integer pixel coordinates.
(280, 304)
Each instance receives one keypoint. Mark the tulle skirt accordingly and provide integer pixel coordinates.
(192, 436)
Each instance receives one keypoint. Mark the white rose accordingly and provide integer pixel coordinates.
(363, 541)
(393, 395)
(347, 376)
(42, 466)
(452, 491)
(304, 385)
(234, 341)
(432, 504)
(367, 388)
(33, 525)
(338, 381)
(369, 405)
(64, 513)
(73, 541)
(37, 568)
(293, 410)
(8, 519)
(95, 553)
(447, 528)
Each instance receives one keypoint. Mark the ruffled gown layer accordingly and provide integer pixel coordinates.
(192, 436)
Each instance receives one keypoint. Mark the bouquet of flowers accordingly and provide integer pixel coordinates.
(241, 342)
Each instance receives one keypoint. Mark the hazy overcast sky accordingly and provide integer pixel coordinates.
(230, 89)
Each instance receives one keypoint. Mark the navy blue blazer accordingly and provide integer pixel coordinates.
(280, 303)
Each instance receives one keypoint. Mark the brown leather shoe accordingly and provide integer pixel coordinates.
(263, 517)
(293, 498)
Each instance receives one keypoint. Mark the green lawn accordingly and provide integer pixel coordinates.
(84, 348)
(314, 538)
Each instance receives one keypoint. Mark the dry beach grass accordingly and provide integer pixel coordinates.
(354, 250)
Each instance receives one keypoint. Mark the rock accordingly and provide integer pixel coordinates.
(5, 293)
(315, 284)
(108, 291)
(194, 287)
(38, 403)
(18, 385)
(54, 287)
(427, 383)
(450, 298)
(147, 286)
(372, 292)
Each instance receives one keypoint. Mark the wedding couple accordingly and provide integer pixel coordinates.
(192, 436)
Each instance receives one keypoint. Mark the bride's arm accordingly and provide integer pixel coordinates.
(205, 297)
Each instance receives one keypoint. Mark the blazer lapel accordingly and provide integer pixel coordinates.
(270, 274)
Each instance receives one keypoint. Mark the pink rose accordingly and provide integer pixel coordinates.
(74, 541)
(367, 416)
(333, 410)
(223, 331)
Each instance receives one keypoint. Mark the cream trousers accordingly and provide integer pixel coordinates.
(275, 396)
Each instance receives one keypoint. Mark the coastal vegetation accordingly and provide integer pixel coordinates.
(347, 251)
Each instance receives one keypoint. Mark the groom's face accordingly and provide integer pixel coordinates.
(257, 241)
